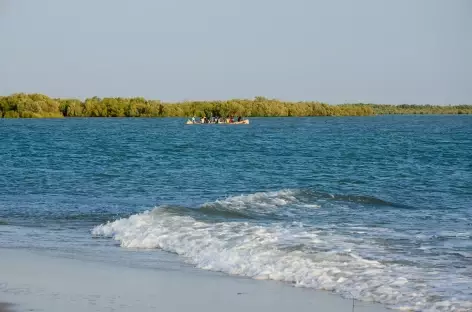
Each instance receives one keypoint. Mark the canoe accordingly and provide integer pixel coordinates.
(242, 122)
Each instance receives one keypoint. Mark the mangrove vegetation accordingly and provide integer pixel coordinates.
(21, 105)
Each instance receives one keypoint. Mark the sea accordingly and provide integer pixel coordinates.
(373, 208)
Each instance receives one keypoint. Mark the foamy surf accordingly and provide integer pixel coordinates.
(290, 250)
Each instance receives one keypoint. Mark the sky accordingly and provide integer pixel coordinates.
(336, 51)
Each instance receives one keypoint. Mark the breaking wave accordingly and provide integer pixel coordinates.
(267, 235)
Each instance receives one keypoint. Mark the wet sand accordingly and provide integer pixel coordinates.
(39, 282)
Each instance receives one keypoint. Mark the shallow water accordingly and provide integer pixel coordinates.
(373, 207)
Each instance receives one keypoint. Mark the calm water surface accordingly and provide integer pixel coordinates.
(374, 207)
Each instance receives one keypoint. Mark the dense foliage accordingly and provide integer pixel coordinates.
(22, 105)
(420, 109)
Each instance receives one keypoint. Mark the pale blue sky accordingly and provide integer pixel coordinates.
(402, 51)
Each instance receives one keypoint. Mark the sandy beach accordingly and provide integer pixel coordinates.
(38, 282)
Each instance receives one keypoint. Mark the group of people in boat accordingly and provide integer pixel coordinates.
(217, 120)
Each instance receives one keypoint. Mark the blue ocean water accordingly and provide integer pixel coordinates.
(378, 208)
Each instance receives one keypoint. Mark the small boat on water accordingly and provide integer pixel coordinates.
(217, 122)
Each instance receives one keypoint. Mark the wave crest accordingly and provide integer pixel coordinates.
(279, 250)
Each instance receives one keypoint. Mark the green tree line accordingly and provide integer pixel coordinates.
(406, 109)
(21, 105)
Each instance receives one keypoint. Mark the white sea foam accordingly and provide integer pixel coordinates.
(265, 203)
(260, 200)
(288, 252)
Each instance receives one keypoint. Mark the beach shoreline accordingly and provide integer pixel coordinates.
(39, 282)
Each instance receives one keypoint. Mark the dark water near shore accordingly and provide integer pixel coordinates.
(375, 207)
